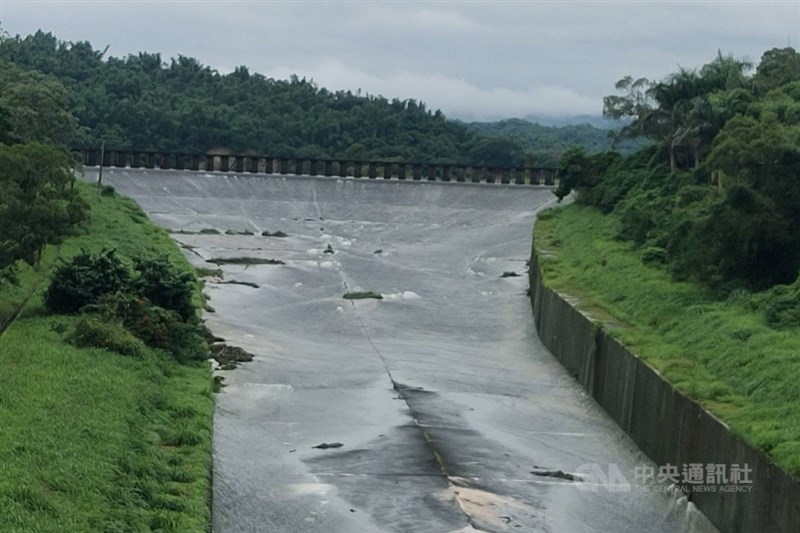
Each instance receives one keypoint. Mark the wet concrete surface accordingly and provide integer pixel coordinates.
(442, 397)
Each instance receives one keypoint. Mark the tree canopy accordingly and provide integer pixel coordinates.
(37, 203)
(147, 102)
(717, 197)
(685, 111)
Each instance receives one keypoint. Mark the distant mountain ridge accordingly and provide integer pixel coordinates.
(544, 145)
(597, 121)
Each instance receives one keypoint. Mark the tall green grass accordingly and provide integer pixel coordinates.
(93, 440)
(720, 353)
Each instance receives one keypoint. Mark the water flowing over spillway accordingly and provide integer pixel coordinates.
(436, 407)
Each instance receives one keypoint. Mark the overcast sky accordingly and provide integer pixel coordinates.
(474, 60)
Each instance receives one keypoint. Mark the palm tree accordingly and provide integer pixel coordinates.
(686, 110)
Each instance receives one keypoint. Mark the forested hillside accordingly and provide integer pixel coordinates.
(144, 101)
(717, 197)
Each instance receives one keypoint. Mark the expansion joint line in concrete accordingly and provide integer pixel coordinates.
(400, 390)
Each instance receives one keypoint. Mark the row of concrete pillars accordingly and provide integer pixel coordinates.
(321, 167)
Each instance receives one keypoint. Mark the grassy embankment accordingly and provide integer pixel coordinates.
(92, 440)
(720, 353)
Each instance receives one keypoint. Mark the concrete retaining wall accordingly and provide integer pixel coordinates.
(665, 424)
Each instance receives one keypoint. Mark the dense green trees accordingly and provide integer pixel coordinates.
(685, 111)
(717, 197)
(37, 203)
(144, 102)
(35, 108)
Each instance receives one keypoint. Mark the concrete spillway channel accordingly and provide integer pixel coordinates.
(450, 414)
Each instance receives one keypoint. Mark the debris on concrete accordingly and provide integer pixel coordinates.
(278, 233)
(326, 445)
(560, 474)
(244, 261)
(229, 357)
(245, 283)
(362, 295)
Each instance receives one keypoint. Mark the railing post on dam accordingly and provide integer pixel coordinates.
(401, 171)
(430, 174)
(446, 173)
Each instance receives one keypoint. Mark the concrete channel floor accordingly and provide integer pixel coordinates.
(447, 406)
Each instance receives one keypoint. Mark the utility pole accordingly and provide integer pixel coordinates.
(100, 173)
